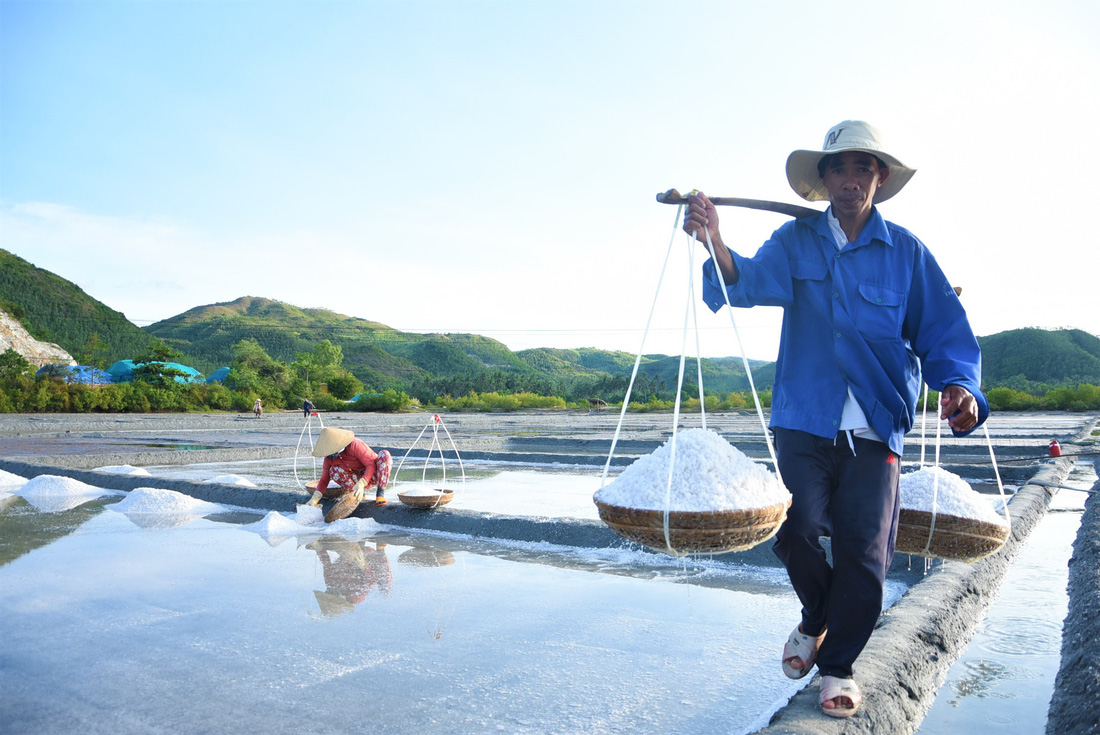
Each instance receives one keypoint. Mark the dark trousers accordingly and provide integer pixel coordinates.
(853, 498)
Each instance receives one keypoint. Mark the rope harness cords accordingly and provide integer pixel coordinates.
(307, 432)
(435, 424)
(936, 477)
(690, 321)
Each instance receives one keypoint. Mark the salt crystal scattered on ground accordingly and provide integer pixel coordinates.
(709, 473)
(952, 495)
(159, 500)
(125, 469)
(7, 479)
(231, 480)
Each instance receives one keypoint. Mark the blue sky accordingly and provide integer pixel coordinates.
(491, 167)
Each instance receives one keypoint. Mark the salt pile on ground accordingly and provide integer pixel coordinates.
(309, 515)
(168, 502)
(231, 480)
(53, 493)
(709, 473)
(278, 526)
(56, 485)
(953, 495)
(124, 469)
(7, 479)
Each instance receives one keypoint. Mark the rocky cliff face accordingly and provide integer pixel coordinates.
(37, 353)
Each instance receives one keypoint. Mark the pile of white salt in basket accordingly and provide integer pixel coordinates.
(709, 474)
(423, 491)
(953, 496)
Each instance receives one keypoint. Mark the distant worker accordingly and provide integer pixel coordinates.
(257, 408)
(307, 408)
(354, 467)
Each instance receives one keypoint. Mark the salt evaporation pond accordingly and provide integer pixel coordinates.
(116, 626)
(488, 487)
(120, 624)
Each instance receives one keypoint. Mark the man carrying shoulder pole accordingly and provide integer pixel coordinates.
(867, 317)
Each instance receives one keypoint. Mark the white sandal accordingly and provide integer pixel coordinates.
(802, 647)
(836, 688)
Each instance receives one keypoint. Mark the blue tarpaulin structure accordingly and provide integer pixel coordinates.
(123, 371)
(218, 376)
(77, 374)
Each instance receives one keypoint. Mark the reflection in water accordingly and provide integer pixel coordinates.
(420, 557)
(352, 570)
(981, 680)
(1023, 636)
(23, 528)
(153, 521)
(445, 599)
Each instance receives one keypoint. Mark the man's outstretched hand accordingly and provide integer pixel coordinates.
(960, 408)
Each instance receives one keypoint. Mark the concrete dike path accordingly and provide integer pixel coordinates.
(916, 640)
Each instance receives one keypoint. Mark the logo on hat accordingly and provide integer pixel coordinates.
(834, 135)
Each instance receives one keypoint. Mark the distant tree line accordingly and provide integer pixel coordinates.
(320, 376)
(156, 386)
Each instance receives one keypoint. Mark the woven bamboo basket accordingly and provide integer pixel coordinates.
(703, 532)
(955, 538)
(442, 497)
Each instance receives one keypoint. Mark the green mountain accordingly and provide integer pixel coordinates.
(55, 310)
(720, 375)
(383, 357)
(206, 336)
(1038, 358)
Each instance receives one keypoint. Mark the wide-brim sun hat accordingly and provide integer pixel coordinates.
(331, 441)
(850, 135)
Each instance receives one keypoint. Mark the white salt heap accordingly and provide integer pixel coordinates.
(159, 500)
(54, 493)
(709, 473)
(953, 495)
(309, 515)
(7, 479)
(124, 469)
(57, 485)
(231, 480)
(308, 521)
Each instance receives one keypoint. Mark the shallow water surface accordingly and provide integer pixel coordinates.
(1004, 680)
(208, 626)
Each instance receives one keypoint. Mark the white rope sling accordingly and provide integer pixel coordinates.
(690, 310)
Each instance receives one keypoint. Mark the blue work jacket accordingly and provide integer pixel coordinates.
(871, 317)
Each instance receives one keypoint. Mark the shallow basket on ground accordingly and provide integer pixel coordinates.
(425, 501)
(954, 538)
(701, 532)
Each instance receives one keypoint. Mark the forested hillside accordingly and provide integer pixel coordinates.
(55, 310)
(1035, 360)
(430, 366)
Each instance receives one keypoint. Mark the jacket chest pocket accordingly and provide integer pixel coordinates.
(880, 312)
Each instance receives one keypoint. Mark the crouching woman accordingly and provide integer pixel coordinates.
(353, 467)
